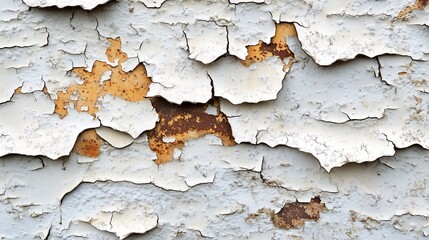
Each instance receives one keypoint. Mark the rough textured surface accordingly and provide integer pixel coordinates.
(186, 119)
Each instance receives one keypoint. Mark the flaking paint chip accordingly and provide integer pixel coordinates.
(29, 127)
(131, 117)
(206, 40)
(85, 4)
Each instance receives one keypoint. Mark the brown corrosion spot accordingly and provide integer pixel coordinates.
(418, 5)
(183, 122)
(88, 143)
(131, 86)
(277, 47)
(293, 215)
(18, 90)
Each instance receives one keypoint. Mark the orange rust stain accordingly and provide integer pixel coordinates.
(277, 47)
(418, 5)
(293, 215)
(131, 86)
(184, 122)
(18, 90)
(88, 143)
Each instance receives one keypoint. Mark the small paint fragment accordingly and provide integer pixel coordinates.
(87, 5)
(179, 123)
(131, 86)
(115, 138)
(88, 144)
(293, 215)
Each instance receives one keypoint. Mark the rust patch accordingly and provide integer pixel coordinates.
(131, 86)
(418, 5)
(293, 215)
(88, 143)
(18, 90)
(277, 47)
(184, 122)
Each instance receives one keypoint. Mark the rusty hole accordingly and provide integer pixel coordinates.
(293, 215)
(184, 122)
(277, 46)
(88, 143)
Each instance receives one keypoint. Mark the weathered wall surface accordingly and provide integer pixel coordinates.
(187, 119)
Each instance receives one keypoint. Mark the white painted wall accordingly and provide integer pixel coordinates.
(344, 118)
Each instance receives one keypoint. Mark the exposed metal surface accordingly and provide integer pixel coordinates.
(185, 119)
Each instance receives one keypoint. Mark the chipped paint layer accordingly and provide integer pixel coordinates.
(131, 117)
(259, 77)
(206, 40)
(88, 5)
(240, 119)
(115, 138)
(33, 122)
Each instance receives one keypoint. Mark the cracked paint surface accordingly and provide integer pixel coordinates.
(184, 119)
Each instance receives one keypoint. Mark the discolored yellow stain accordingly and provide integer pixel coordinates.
(418, 5)
(131, 86)
(277, 46)
(184, 122)
(88, 143)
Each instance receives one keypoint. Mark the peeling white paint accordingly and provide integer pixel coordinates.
(250, 24)
(29, 127)
(9, 81)
(22, 36)
(153, 3)
(367, 35)
(307, 118)
(259, 82)
(88, 5)
(123, 222)
(130, 117)
(206, 40)
(174, 64)
(115, 138)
